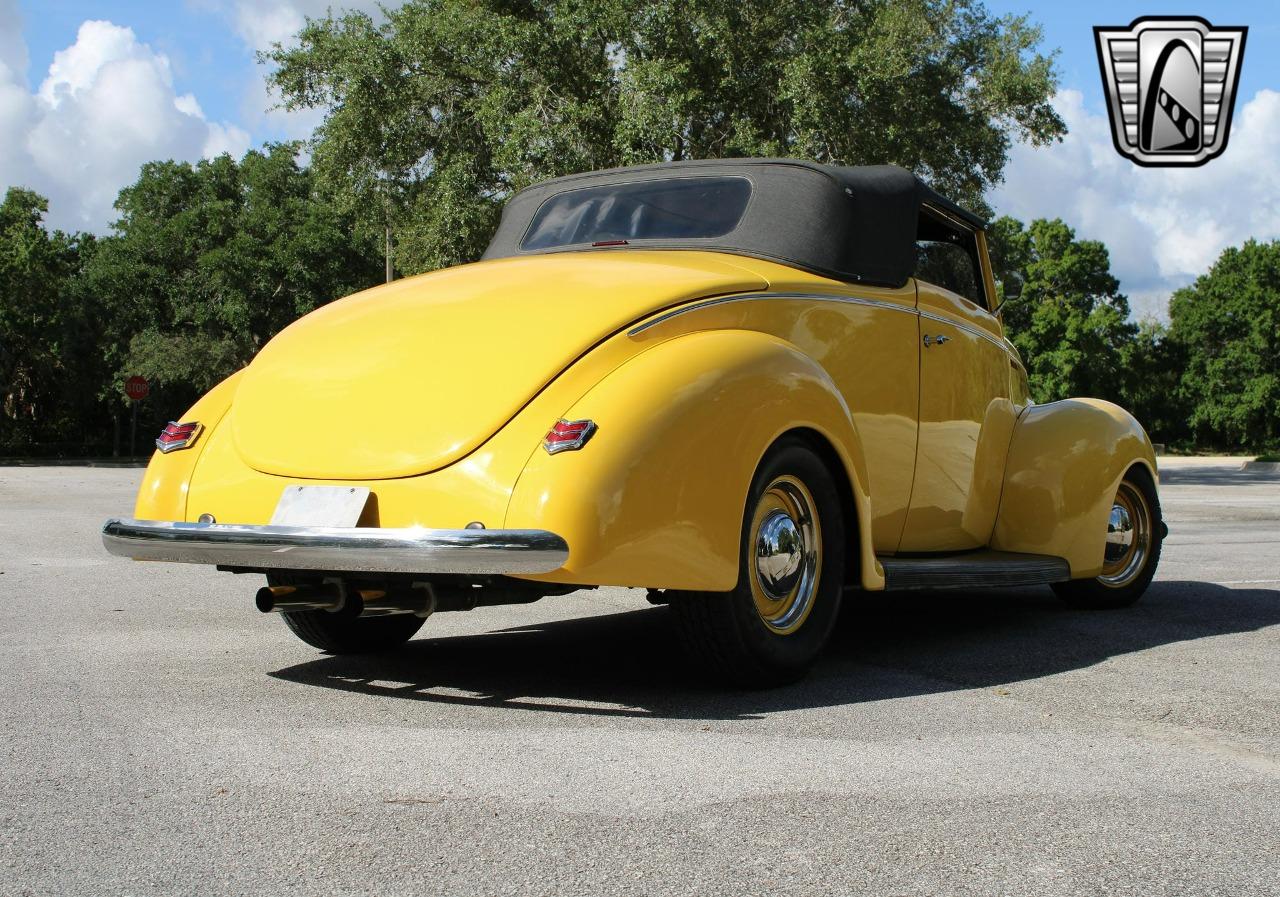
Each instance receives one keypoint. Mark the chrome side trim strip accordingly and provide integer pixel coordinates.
(371, 550)
(723, 300)
(967, 328)
(817, 297)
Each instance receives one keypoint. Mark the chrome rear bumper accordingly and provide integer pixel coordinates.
(367, 550)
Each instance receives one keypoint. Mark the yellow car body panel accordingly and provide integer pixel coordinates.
(659, 493)
(165, 486)
(866, 340)
(414, 375)
(1065, 463)
(966, 419)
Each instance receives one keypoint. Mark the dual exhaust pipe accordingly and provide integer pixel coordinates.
(336, 596)
(419, 598)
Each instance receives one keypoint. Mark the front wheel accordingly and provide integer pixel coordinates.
(771, 628)
(1135, 532)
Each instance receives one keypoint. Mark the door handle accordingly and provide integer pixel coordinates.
(931, 340)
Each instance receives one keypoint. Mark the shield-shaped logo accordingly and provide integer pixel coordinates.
(1170, 86)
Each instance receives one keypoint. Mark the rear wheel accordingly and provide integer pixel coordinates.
(771, 628)
(1135, 531)
(340, 633)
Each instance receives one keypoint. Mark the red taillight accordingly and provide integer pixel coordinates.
(568, 435)
(177, 436)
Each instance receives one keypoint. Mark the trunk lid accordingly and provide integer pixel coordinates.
(409, 377)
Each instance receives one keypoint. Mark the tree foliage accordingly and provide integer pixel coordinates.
(42, 332)
(209, 261)
(1063, 310)
(206, 263)
(435, 115)
(1227, 326)
(1211, 376)
(1155, 362)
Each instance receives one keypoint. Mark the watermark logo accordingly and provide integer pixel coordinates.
(1170, 86)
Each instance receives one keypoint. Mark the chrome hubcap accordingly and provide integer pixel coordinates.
(1119, 534)
(787, 541)
(1129, 535)
(779, 551)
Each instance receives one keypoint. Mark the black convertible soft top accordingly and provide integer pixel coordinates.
(856, 224)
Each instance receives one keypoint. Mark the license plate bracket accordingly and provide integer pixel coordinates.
(334, 506)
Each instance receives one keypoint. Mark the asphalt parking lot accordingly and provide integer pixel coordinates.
(160, 736)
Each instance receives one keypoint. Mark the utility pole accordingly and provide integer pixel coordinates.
(391, 274)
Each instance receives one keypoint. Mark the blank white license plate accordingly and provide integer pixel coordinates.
(320, 506)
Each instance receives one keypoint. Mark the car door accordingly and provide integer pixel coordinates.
(867, 340)
(966, 413)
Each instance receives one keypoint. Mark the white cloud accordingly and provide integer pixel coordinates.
(187, 104)
(1163, 226)
(98, 44)
(13, 51)
(225, 138)
(106, 106)
(260, 23)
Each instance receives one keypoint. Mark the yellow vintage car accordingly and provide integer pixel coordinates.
(753, 387)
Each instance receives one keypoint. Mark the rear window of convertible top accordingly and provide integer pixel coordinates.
(664, 209)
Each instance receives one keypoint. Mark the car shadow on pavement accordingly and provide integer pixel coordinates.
(885, 647)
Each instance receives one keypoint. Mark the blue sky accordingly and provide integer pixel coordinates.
(1069, 27)
(149, 80)
(208, 57)
(211, 56)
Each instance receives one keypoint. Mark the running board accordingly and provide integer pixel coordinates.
(973, 570)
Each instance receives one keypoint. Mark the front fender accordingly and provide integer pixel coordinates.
(1065, 463)
(657, 497)
(163, 494)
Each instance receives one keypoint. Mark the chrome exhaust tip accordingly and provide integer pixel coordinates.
(285, 599)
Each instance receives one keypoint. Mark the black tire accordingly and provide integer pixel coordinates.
(1124, 590)
(344, 633)
(339, 633)
(727, 632)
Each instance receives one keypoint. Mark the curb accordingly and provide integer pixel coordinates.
(57, 462)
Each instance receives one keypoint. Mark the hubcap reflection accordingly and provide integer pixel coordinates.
(778, 555)
(787, 543)
(1119, 534)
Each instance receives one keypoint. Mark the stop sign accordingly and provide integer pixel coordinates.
(137, 388)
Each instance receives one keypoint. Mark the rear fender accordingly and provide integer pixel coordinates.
(656, 497)
(1066, 461)
(163, 494)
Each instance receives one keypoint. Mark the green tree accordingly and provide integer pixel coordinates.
(1154, 362)
(434, 116)
(1063, 310)
(42, 328)
(209, 261)
(1228, 326)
